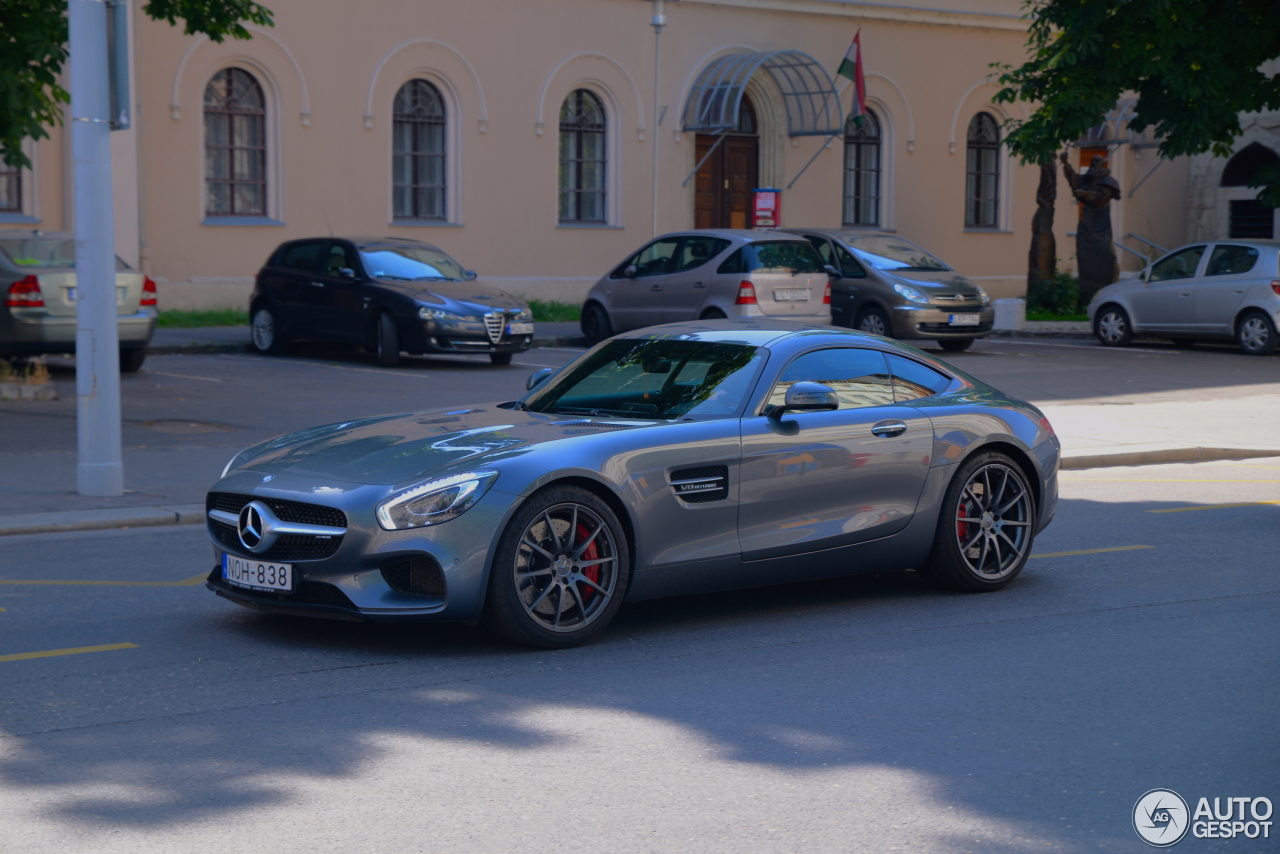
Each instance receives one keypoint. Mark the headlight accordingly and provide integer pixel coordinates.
(439, 314)
(525, 315)
(982, 295)
(910, 293)
(435, 501)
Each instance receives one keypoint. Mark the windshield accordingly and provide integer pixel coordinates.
(44, 253)
(780, 257)
(654, 379)
(891, 253)
(410, 264)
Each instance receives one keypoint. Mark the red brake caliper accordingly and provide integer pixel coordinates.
(963, 527)
(592, 553)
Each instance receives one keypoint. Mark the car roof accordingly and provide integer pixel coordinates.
(747, 235)
(363, 242)
(756, 332)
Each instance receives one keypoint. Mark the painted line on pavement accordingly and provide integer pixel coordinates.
(1214, 507)
(1093, 551)
(75, 650)
(187, 582)
(1158, 480)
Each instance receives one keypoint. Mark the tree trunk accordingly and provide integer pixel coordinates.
(1042, 261)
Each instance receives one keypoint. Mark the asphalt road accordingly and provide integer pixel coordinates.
(860, 715)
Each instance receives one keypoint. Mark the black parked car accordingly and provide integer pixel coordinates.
(387, 294)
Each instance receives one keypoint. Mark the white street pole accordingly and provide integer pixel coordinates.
(99, 470)
(659, 21)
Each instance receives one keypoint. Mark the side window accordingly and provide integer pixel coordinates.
(860, 378)
(697, 251)
(732, 264)
(848, 265)
(655, 259)
(1230, 260)
(823, 246)
(336, 257)
(1179, 265)
(912, 380)
(302, 256)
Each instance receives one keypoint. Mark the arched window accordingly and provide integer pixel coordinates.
(235, 145)
(417, 156)
(582, 158)
(862, 171)
(982, 186)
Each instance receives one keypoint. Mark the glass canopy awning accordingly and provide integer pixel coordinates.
(813, 108)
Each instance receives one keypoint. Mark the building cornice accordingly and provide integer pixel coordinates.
(879, 12)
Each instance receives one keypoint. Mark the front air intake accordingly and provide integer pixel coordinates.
(414, 575)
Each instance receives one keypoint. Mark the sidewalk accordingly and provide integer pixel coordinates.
(235, 339)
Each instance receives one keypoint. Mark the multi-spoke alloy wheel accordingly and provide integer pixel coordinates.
(560, 571)
(986, 526)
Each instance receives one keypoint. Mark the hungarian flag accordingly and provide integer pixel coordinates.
(851, 67)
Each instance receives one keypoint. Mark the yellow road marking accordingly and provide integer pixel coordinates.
(189, 582)
(1159, 480)
(75, 650)
(1093, 551)
(1214, 507)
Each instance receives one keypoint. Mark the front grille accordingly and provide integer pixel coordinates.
(963, 309)
(947, 327)
(702, 484)
(416, 575)
(289, 547)
(286, 511)
(956, 298)
(495, 322)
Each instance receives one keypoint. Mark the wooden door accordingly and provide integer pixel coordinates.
(723, 193)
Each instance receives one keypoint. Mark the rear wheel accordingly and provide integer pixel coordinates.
(872, 320)
(985, 528)
(500, 358)
(388, 341)
(955, 345)
(595, 324)
(713, 314)
(560, 570)
(1256, 334)
(1111, 327)
(131, 359)
(264, 332)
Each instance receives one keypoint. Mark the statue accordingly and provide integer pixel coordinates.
(1095, 253)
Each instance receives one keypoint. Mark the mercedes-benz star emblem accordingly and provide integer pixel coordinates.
(251, 526)
(268, 478)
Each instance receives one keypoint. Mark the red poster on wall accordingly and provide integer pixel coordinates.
(766, 209)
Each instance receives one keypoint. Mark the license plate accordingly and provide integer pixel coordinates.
(257, 574)
(519, 328)
(796, 295)
(120, 294)
(965, 319)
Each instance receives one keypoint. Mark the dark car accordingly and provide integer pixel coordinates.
(688, 457)
(387, 294)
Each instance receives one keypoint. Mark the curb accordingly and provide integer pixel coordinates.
(95, 520)
(1162, 455)
(1025, 333)
(196, 349)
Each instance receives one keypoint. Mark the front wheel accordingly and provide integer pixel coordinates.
(1112, 328)
(595, 324)
(388, 341)
(873, 320)
(264, 332)
(986, 526)
(955, 345)
(1256, 334)
(560, 570)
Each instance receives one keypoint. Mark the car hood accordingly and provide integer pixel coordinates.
(445, 293)
(392, 449)
(949, 280)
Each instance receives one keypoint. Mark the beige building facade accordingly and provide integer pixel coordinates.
(531, 138)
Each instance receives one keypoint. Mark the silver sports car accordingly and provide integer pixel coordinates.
(689, 457)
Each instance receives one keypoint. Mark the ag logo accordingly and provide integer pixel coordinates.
(1160, 818)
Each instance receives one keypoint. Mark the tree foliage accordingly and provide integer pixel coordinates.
(1194, 65)
(33, 50)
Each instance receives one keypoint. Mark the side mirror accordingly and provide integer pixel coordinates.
(630, 272)
(471, 275)
(347, 273)
(807, 397)
(831, 271)
(1143, 275)
(538, 377)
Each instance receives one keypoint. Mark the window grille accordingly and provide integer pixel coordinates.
(582, 158)
(418, 152)
(235, 145)
(10, 188)
(862, 171)
(982, 187)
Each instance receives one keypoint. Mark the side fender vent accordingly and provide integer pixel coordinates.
(701, 485)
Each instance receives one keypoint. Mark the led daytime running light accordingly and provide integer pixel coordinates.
(396, 514)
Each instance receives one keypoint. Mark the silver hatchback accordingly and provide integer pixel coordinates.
(701, 275)
(890, 286)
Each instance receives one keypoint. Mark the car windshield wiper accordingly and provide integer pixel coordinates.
(436, 279)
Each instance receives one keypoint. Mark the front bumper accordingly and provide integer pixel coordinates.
(445, 337)
(927, 321)
(33, 331)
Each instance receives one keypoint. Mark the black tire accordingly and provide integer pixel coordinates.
(1184, 343)
(984, 483)
(388, 345)
(1112, 327)
(713, 314)
(873, 320)
(1256, 334)
(264, 332)
(955, 345)
(500, 358)
(595, 324)
(534, 564)
(131, 359)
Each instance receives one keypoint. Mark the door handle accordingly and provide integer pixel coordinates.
(699, 285)
(888, 429)
(317, 284)
(656, 288)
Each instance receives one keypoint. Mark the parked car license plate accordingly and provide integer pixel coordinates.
(965, 319)
(257, 574)
(519, 328)
(120, 294)
(791, 295)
